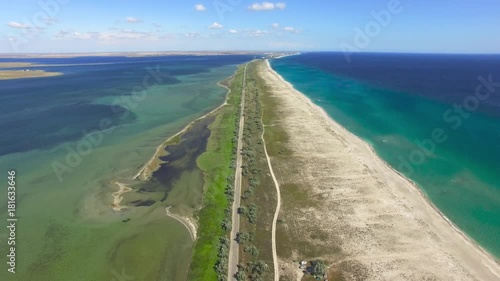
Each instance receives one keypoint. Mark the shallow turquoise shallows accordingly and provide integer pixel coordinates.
(422, 115)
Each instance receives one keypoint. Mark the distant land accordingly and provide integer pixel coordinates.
(143, 54)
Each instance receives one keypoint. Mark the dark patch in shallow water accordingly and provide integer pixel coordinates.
(145, 203)
(42, 113)
(182, 157)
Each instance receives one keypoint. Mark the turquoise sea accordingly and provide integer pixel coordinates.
(435, 118)
(70, 137)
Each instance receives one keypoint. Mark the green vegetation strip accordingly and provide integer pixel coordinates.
(209, 260)
(259, 195)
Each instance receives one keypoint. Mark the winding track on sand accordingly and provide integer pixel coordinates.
(233, 259)
(278, 203)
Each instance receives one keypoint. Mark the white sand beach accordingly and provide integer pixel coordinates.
(385, 227)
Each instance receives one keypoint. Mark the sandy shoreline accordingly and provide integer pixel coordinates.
(378, 202)
(187, 222)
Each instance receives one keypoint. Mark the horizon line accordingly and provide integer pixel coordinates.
(243, 52)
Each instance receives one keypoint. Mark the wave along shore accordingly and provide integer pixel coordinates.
(377, 217)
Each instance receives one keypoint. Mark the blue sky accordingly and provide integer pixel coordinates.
(443, 26)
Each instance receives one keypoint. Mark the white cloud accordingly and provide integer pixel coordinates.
(215, 25)
(17, 25)
(280, 6)
(258, 33)
(133, 20)
(192, 34)
(233, 31)
(85, 35)
(114, 35)
(291, 29)
(200, 7)
(275, 25)
(267, 6)
(126, 34)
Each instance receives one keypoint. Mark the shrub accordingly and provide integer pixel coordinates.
(252, 213)
(242, 237)
(242, 210)
(257, 269)
(318, 268)
(252, 250)
(226, 224)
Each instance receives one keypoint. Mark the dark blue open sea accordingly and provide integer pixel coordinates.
(435, 118)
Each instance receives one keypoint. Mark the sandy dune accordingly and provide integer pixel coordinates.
(382, 224)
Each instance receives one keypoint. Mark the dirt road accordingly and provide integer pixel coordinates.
(234, 248)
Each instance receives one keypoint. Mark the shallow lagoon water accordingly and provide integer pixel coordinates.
(66, 229)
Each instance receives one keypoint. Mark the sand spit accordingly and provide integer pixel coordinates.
(186, 221)
(154, 163)
(117, 196)
(23, 74)
(380, 221)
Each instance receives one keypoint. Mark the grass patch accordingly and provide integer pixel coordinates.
(216, 166)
